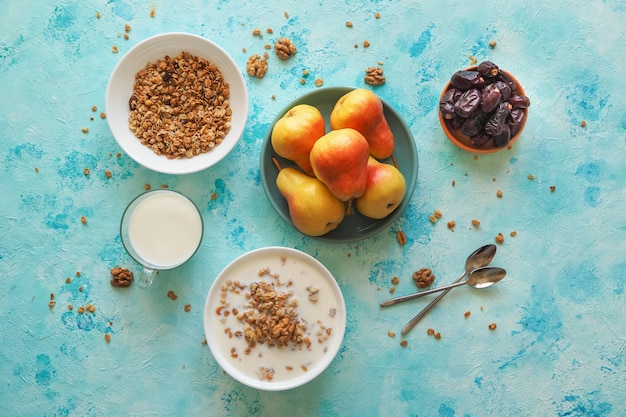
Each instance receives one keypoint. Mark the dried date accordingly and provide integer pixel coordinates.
(467, 103)
(466, 79)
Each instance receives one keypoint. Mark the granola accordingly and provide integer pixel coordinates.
(180, 106)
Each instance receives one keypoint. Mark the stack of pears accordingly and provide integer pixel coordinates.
(338, 169)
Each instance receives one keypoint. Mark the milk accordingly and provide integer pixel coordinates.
(165, 229)
(325, 318)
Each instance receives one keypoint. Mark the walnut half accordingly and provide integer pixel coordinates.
(423, 278)
(374, 76)
(121, 277)
(284, 48)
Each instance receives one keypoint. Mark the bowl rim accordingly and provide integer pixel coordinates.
(118, 87)
(311, 374)
(379, 225)
(450, 133)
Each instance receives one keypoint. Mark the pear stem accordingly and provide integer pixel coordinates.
(276, 163)
(349, 208)
(395, 163)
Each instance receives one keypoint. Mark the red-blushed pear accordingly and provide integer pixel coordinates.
(339, 160)
(362, 110)
(313, 209)
(386, 188)
(294, 134)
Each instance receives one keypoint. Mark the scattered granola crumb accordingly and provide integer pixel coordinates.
(68, 280)
(147, 187)
(366, 44)
(500, 238)
(284, 48)
(257, 32)
(36, 169)
(286, 15)
(401, 237)
(437, 336)
(451, 225)
(302, 81)
(107, 174)
(152, 12)
(437, 214)
(187, 308)
(83, 219)
(430, 331)
(453, 183)
(70, 307)
(107, 337)
(377, 15)
(94, 108)
(319, 82)
(256, 66)
(51, 304)
(467, 314)
(91, 308)
(552, 188)
(391, 334)
(374, 76)
(172, 295)
(126, 37)
(204, 342)
(392, 290)
(492, 326)
(86, 171)
(213, 196)
(513, 233)
(269, 30)
(78, 274)
(349, 24)
(531, 177)
(126, 28)
(583, 124)
(98, 15)
(499, 193)
(473, 59)
(395, 280)
(432, 218)
(81, 310)
(404, 343)
(103, 115)
(492, 44)
(475, 222)
(85, 130)
(115, 49)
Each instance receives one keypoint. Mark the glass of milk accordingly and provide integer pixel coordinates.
(161, 229)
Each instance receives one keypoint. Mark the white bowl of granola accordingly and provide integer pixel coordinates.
(274, 318)
(177, 103)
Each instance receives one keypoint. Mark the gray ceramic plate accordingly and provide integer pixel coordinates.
(354, 227)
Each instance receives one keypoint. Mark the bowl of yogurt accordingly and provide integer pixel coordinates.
(274, 318)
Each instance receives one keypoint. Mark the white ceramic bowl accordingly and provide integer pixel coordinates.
(292, 365)
(120, 89)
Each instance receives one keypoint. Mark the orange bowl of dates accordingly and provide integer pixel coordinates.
(483, 109)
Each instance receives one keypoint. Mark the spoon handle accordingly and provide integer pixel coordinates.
(402, 298)
(407, 328)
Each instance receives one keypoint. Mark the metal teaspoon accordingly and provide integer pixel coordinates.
(479, 258)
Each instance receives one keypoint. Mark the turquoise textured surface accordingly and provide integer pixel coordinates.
(559, 345)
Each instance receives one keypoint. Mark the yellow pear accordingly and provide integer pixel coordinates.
(385, 190)
(313, 209)
(294, 134)
(339, 160)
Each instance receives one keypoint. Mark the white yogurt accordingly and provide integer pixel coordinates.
(323, 313)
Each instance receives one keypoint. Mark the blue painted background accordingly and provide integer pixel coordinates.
(560, 341)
